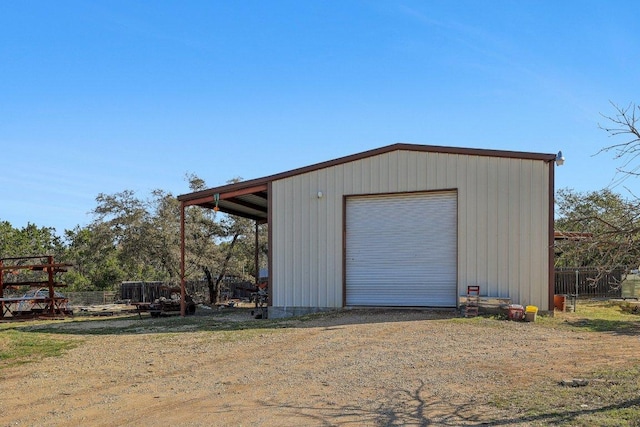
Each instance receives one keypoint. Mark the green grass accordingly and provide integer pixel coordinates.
(612, 397)
(601, 316)
(609, 310)
(17, 347)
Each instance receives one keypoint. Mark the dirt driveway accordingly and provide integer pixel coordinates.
(349, 369)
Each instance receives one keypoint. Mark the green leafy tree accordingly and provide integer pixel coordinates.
(131, 238)
(139, 239)
(29, 241)
(121, 223)
(162, 236)
(8, 239)
(94, 259)
(79, 253)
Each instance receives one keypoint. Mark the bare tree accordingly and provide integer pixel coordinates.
(624, 123)
(603, 226)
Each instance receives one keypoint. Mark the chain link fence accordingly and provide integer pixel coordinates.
(91, 298)
(591, 283)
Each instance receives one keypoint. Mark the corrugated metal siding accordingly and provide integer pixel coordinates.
(401, 250)
(502, 223)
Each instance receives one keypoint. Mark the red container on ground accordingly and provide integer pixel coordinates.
(516, 312)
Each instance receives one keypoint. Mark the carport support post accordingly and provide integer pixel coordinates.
(2, 287)
(257, 256)
(182, 290)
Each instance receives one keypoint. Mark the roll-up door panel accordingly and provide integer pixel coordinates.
(401, 250)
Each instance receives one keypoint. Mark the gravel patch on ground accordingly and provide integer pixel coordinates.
(354, 368)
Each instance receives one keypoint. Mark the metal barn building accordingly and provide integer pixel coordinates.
(402, 226)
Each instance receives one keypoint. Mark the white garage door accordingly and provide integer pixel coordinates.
(401, 250)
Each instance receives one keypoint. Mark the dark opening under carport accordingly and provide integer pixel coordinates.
(248, 199)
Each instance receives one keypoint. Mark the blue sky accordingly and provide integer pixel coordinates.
(105, 96)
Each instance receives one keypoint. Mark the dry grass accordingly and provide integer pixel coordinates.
(360, 367)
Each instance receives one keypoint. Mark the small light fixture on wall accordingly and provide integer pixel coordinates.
(320, 194)
(559, 159)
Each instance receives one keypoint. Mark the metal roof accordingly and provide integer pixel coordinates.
(250, 199)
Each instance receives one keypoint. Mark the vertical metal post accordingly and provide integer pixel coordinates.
(575, 297)
(2, 287)
(50, 283)
(257, 256)
(551, 237)
(183, 293)
(1, 278)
